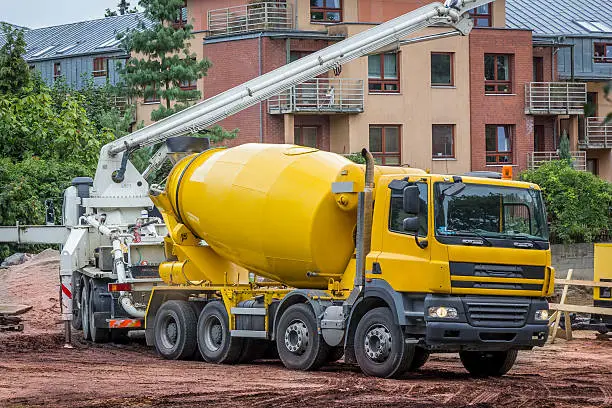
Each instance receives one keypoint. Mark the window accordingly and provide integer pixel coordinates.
(602, 52)
(443, 141)
(189, 85)
(325, 11)
(306, 136)
(442, 69)
(383, 73)
(181, 19)
(57, 70)
(296, 55)
(499, 144)
(397, 214)
(385, 144)
(497, 74)
(482, 16)
(595, 26)
(150, 94)
(100, 67)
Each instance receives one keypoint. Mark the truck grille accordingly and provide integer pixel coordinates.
(496, 314)
(498, 272)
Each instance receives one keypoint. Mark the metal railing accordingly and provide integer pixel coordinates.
(537, 159)
(598, 134)
(332, 95)
(260, 16)
(555, 98)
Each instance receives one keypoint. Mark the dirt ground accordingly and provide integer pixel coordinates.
(36, 371)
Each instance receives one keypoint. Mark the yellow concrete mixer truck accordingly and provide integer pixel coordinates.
(290, 250)
(382, 264)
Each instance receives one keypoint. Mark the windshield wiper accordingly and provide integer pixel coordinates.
(475, 234)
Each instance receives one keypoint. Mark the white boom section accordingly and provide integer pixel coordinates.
(212, 110)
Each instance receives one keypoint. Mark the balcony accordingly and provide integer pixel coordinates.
(320, 95)
(555, 98)
(537, 159)
(598, 134)
(261, 16)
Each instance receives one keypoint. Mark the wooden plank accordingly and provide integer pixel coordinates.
(575, 282)
(581, 309)
(12, 310)
(563, 296)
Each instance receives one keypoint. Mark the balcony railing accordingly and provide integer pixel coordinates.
(320, 95)
(598, 134)
(555, 98)
(537, 159)
(261, 16)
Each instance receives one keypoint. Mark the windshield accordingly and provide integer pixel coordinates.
(489, 211)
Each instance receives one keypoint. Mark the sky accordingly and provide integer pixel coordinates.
(42, 13)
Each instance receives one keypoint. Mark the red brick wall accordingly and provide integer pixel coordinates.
(322, 122)
(501, 109)
(547, 54)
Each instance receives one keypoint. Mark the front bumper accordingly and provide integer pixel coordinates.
(486, 323)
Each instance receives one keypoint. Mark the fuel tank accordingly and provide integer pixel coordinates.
(285, 212)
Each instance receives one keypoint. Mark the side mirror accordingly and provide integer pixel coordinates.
(411, 200)
(411, 224)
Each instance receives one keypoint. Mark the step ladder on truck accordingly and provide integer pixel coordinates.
(383, 265)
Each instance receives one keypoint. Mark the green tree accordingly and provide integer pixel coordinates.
(564, 148)
(14, 71)
(578, 202)
(123, 8)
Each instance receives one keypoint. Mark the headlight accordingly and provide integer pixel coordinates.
(442, 312)
(541, 314)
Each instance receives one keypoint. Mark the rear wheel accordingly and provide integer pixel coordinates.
(488, 363)
(214, 340)
(299, 345)
(175, 330)
(98, 334)
(85, 308)
(380, 348)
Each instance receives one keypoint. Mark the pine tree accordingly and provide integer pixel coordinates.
(564, 149)
(165, 59)
(14, 70)
(124, 7)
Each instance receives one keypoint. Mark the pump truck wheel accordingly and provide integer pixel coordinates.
(380, 347)
(76, 322)
(214, 340)
(299, 345)
(85, 308)
(421, 356)
(175, 330)
(488, 363)
(98, 334)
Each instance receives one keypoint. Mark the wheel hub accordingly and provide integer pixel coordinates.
(213, 333)
(171, 332)
(296, 337)
(378, 343)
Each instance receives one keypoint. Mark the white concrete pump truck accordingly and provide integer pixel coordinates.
(185, 280)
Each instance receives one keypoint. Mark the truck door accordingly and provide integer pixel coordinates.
(403, 264)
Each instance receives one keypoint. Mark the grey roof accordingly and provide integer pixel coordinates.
(80, 38)
(558, 17)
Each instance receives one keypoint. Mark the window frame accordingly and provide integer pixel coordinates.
(57, 70)
(602, 59)
(452, 69)
(325, 10)
(496, 153)
(98, 73)
(425, 209)
(496, 82)
(155, 98)
(453, 133)
(301, 142)
(382, 81)
(383, 155)
(189, 85)
(488, 16)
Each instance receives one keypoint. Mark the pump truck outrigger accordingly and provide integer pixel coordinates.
(295, 250)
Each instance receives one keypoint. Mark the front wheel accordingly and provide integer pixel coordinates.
(488, 363)
(380, 346)
(299, 345)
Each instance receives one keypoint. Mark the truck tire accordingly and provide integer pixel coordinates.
(380, 348)
(97, 334)
(299, 345)
(85, 308)
(175, 330)
(421, 356)
(488, 363)
(76, 322)
(213, 336)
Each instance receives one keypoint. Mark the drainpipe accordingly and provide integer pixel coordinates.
(261, 137)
